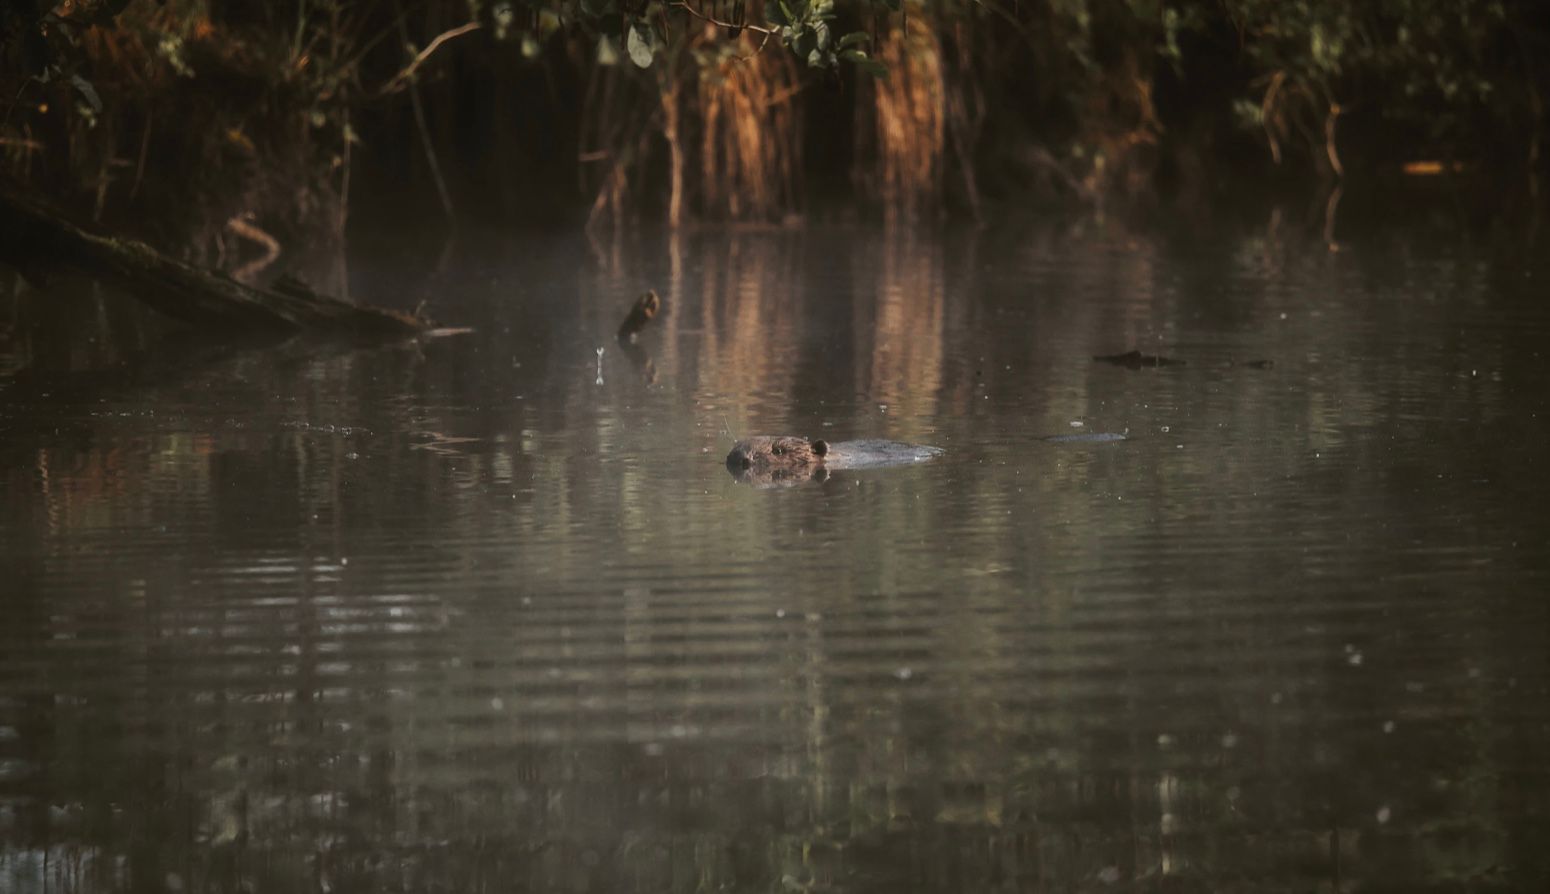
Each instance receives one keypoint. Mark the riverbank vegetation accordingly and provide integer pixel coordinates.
(233, 128)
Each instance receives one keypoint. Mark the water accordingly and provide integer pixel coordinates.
(491, 614)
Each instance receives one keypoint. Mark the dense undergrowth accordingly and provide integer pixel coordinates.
(232, 127)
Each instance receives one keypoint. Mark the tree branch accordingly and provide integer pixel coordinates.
(757, 29)
(400, 80)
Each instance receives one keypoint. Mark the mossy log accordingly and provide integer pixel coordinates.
(33, 238)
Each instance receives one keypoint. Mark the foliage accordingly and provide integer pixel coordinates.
(44, 44)
(643, 29)
(1087, 95)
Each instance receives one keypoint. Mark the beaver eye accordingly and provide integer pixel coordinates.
(778, 450)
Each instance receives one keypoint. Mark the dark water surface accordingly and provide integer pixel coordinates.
(470, 618)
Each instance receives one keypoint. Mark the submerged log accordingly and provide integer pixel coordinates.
(34, 238)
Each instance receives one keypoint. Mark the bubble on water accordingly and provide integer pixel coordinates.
(1109, 875)
(904, 673)
(496, 704)
(1384, 813)
(1164, 740)
(1388, 726)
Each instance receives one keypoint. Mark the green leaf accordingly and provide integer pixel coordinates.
(806, 44)
(503, 16)
(641, 45)
(87, 91)
(607, 50)
(854, 38)
(865, 63)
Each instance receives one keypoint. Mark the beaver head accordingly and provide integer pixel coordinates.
(777, 460)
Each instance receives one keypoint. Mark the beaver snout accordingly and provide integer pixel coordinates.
(740, 459)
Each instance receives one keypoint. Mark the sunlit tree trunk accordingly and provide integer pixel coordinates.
(675, 151)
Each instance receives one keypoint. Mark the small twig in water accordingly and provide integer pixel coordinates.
(1329, 139)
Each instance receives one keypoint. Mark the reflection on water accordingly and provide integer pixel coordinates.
(461, 617)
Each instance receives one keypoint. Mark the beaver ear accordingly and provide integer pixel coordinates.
(820, 447)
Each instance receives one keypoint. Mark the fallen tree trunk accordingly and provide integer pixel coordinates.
(33, 238)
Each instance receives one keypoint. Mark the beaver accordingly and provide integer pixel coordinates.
(786, 459)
